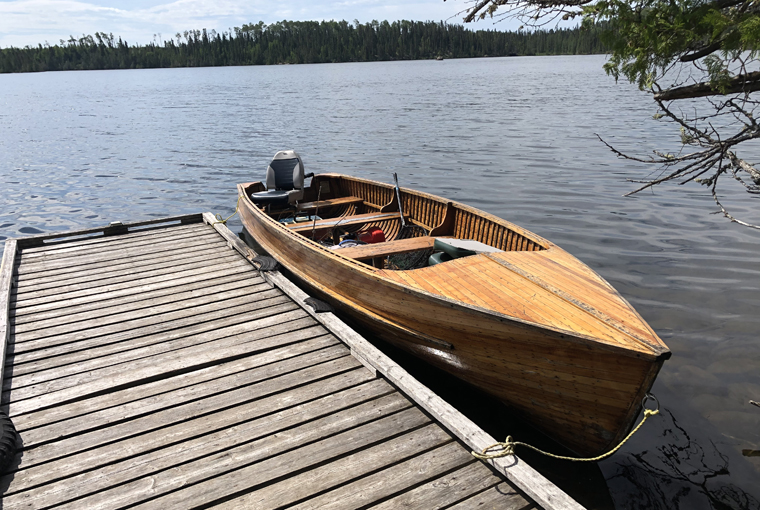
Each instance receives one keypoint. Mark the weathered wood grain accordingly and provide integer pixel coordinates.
(502, 497)
(98, 244)
(121, 356)
(40, 239)
(133, 400)
(258, 371)
(115, 295)
(79, 263)
(399, 474)
(442, 491)
(67, 447)
(147, 274)
(368, 401)
(132, 324)
(252, 475)
(52, 279)
(197, 319)
(82, 385)
(6, 284)
(94, 316)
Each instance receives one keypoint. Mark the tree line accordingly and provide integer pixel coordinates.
(298, 42)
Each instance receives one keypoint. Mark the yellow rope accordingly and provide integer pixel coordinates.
(507, 447)
(224, 221)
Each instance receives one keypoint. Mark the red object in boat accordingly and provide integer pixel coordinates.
(373, 235)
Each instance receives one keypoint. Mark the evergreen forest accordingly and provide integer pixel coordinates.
(298, 42)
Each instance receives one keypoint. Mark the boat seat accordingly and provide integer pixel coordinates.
(344, 221)
(285, 181)
(308, 206)
(382, 250)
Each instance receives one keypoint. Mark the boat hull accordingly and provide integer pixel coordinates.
(584, 394)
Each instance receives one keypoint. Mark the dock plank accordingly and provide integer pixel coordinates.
(131, 325)
(144, 398)
(249, 473)
(502, 497)
(442, 491)
(96, 245)
(369, 400)
(77, 386)
(50, 288)
(70, 292)
(83, 351)
(90, 450)
(86, 262)
(187, 281)
(398, 473)
(93, 272)
(94, 317)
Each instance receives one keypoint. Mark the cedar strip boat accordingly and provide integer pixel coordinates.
(526, 322)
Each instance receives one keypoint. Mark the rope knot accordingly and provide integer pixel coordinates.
(497, 450)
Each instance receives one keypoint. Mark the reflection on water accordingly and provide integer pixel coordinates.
(679, 473)
(513, 136)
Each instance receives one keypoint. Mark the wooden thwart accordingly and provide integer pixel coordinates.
(371, 251)
(357, 219)
(135, 384)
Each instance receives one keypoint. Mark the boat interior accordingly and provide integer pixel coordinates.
(380, 224)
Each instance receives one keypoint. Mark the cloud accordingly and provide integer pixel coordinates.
(29, 22)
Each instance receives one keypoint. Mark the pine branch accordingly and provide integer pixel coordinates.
(745, 83)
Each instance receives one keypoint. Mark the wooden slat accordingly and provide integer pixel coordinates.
(89, 262)
(217, 400)
(441, 492)
(100, 271)
(502, 497)
(188, 279)
(186, 321)
(100, 359)
(254, 369)
(132, 400)
(358, 219)
(308, 206)
(111, 242)
(252, 475)
(146, 273)
(93, 316)
(369, 400)
(37, 239)
(82, 385)
(266, 303)
(6, 283)
(397, 476)
(369, 251)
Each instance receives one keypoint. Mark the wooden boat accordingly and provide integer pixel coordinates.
(524, 321)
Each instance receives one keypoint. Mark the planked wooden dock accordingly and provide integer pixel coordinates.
(150, 365)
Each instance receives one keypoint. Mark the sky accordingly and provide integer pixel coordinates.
(31, 22)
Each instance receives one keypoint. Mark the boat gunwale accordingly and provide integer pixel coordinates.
(650, 354)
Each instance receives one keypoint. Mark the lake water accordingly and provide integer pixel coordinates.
(513, 136)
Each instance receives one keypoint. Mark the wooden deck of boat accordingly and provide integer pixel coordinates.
(150, 365)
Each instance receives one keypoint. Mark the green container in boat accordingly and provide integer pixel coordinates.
(452, 251)
(438, 257)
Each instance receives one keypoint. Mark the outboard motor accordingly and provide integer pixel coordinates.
(285, 181)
